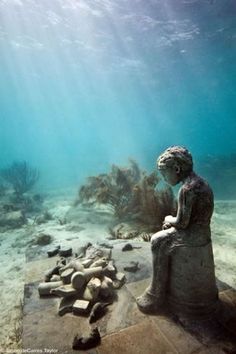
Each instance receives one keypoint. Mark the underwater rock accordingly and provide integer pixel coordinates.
(45, 288)
(75, 264)
(53, 271)
(119, 281)
(127, 247)
(132, 267)
(43, 239)
(78, 280)
(66, 275)
(100, 262)
(93, 272)
(53, 252)
(55, 278)
(92, 290)
(86, 263)
(61, 262)
(66, 305)
(64, 291)
(106, 288)
(12, 219)
(85, 343)
(81, 307)
(98, 311)
(65, 252)
(110, 270)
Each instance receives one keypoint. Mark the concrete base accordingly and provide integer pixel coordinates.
(192, 287)
(124, 329)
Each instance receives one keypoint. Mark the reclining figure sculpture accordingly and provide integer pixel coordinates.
(183, 265)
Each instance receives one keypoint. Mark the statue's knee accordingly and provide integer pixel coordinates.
(157, 238)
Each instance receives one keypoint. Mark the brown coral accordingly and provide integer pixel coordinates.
(132, 193)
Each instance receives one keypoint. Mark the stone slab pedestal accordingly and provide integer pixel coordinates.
(192, 290)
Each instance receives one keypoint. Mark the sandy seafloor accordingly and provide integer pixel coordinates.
(86, 225)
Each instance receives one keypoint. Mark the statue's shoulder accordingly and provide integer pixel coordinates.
(196, 184)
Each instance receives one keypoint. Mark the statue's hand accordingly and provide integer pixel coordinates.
(169, 219)
(166, 225)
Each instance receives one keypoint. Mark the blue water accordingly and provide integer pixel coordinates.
(84, 84)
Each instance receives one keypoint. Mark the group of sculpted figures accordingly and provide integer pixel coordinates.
(183, 265)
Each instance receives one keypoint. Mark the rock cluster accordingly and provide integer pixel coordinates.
(86, 284)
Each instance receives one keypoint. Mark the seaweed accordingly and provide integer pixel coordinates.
(132, 193)
(21, 176)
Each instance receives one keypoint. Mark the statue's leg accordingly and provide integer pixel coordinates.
(154, 295)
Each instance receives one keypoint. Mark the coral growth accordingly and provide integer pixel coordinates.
(132, 193)
(16, 204)
(21, 176)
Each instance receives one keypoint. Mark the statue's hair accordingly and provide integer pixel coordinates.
(176, 155)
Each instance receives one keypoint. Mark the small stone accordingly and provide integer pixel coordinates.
(106, 288)
(85, 343)
(55, 277)
(107, 253)
(65, 252)
(48, 275)
(110, 270)
(53, 252)
(45, 288)
(127, 247)
(92, 289)
(66, 305)
(61, 262)
(120, 276)
(64, 291)
(75, 264)
(100, 262)
(119, 281)
(78, 280)
(87, 262)
(80, 307)
(66, 275)
(98, 311)
(132, 267)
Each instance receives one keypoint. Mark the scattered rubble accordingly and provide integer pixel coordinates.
(86, 285)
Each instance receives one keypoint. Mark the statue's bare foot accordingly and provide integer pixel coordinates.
(148, 303)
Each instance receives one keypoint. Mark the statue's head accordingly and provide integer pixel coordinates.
(175, 164)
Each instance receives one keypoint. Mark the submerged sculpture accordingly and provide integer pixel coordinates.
(183, 264)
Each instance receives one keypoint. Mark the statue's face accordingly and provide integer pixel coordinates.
(171, 175)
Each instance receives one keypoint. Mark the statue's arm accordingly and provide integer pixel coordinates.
(185, 203)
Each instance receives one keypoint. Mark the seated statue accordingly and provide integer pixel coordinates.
(189, 229)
